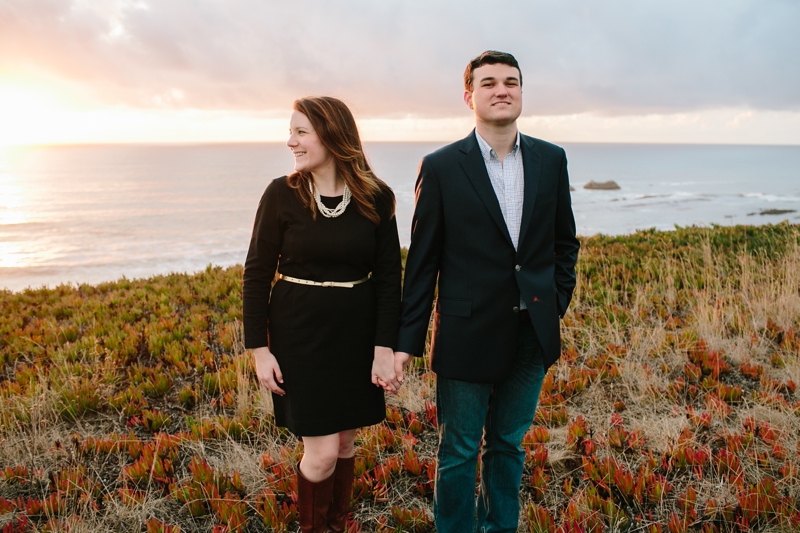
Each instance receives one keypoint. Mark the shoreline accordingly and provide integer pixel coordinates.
(6, 272)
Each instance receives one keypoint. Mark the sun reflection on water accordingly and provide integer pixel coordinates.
(11, 192)
(11, 255)
(12, 212)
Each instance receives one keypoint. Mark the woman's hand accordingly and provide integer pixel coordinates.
(268, 370)
(383, 374)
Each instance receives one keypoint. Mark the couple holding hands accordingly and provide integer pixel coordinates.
(492, 226)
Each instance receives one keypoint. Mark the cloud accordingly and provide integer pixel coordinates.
(393, 58)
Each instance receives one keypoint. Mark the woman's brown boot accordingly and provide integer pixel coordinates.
(342, 492)
(313, 502)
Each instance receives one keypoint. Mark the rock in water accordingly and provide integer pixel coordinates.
(610, 185)
(777, 211)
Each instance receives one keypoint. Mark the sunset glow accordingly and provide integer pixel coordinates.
(37, 119)
(31, 114)
(116, 71)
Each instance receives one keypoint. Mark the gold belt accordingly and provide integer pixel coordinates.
(344, 284)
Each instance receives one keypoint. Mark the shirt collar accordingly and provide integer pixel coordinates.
(487, 152)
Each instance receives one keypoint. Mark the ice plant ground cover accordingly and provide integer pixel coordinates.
(132, 406)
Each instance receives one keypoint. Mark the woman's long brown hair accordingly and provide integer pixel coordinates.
(334, 124)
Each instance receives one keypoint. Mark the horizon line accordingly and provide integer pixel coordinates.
(435, 141)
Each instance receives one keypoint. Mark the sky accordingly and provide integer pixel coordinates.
(708, 71)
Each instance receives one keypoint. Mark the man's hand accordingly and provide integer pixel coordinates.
(401, 361)
(383, 372)
(268, 370)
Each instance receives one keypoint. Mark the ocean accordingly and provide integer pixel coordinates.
(93, 213)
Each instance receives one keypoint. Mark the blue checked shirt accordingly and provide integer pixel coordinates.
(508, 181)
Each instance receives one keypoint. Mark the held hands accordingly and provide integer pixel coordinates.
(401, 361)
(267, 370)
(383, 370)
(387, 369)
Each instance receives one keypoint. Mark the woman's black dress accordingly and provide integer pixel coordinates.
(323, 337)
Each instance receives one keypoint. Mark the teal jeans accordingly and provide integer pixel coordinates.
(501, 414)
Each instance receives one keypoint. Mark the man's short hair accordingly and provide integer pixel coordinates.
(490, 57)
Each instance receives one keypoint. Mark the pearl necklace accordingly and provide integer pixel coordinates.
(326, 211)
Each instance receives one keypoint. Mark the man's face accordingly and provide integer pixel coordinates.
(496, 95)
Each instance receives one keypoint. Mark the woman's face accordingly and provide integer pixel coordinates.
(310, 155)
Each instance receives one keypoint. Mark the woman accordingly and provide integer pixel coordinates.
(323, 339)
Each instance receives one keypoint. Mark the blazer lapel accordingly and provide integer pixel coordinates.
(475, 168)
(532, 167)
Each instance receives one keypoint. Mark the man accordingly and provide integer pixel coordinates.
(493, 224)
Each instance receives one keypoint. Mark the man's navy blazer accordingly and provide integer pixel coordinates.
(459, 237)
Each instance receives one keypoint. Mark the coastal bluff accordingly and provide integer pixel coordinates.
(676, 386)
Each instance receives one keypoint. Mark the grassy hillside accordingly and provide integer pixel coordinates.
(132, 406)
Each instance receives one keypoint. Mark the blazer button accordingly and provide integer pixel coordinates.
(517, 268)
(515, 309)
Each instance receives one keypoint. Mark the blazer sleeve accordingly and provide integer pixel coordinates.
(260, 267)
(386, 274)
(566, 242)
(423, 262)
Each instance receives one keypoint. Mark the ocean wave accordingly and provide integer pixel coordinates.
(650, 199)
(746, 200)
(770, 197)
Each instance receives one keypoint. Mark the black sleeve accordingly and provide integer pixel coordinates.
(566, 242)
(387, 273)
(422, 263)
(260, 267)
